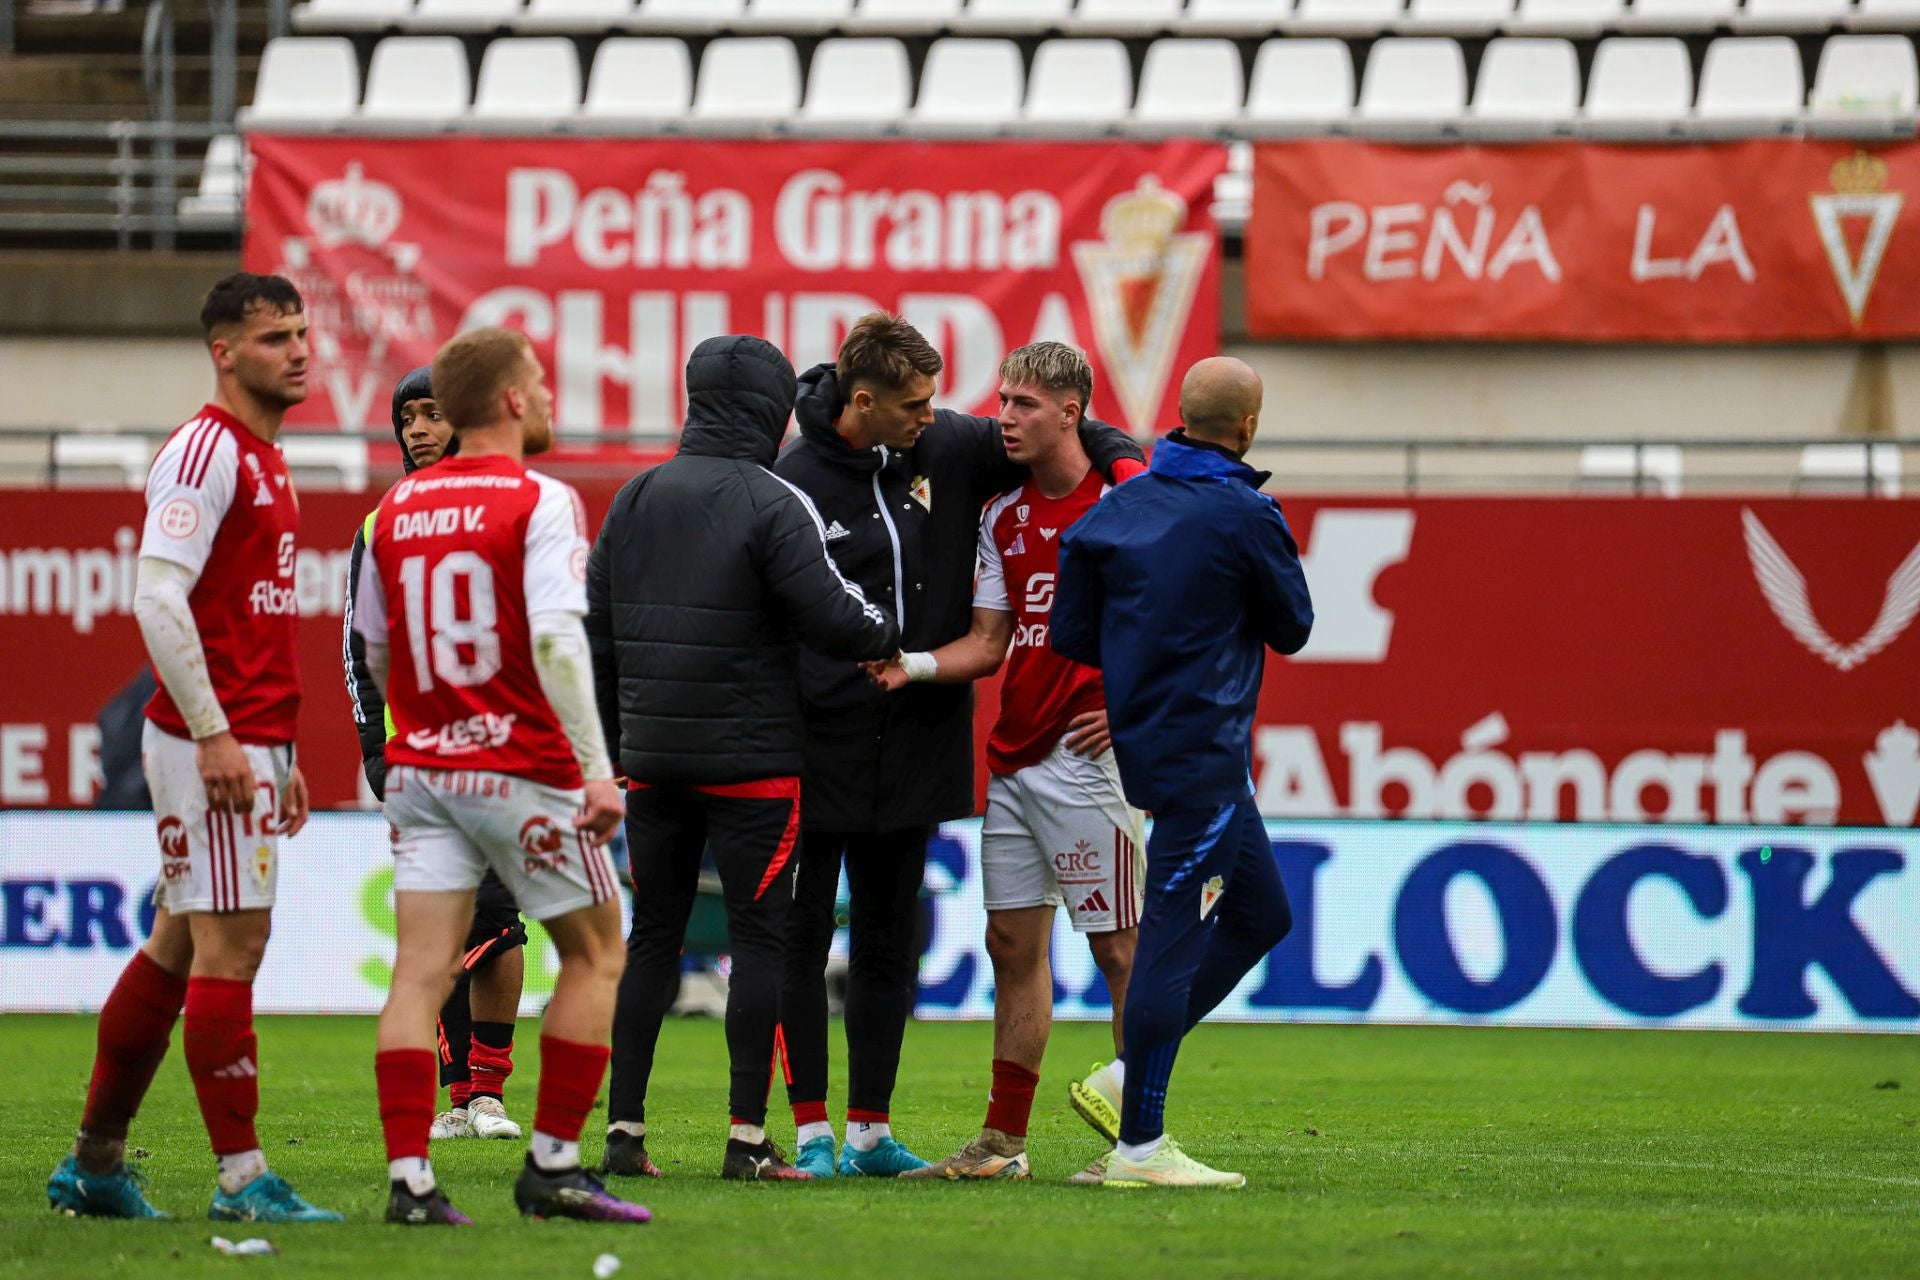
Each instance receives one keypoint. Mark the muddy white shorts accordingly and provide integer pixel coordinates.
(1060, 832)
(450, 825)
(213, 861)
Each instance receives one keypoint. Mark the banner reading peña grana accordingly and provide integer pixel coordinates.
(617, 256)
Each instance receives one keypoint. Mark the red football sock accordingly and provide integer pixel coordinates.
(859, 1115)
(1010, 1105)
(570, 1076)
(135, 1024)
(222, 1058)
(459, 1093)
(405, 1078)
(488, 1067)
(809, 1113)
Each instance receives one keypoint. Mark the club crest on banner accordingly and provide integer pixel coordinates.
(1858, 181)
(366, 309)
(1140, 281)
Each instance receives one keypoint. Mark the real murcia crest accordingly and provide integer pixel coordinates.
(1857, 180)
(1140, 281)
(1785, 588)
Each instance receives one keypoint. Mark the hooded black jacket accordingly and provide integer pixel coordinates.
(706, 576)
(369, 708)
(903, 526)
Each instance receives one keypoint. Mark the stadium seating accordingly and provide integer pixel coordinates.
(1412, 83)
(463, 15)
(87, 461)
(222, 184)
(349, 15)
(417, 80)
(1791, 15)
(1850, 468)
(687, 15)
(1346, 17)
(1679, 15)
(1125, 17)
(1631, 468)
(969, 86)
(575, 15)
(796, 15)
(1885, 15)
(1455, 17)
(637, 83)
(1016, 16)
(857, 85)
(1190, 84)
(1866, 85)
(1078, 85)
(1527, 84)
(1235, 17)
(1750, 85)
(1565, 17)
(528, 82)
(904, 15)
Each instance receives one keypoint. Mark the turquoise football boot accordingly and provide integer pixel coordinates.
(267, 1198)
(120, 1194)
(815, 1157)
(888, 1159)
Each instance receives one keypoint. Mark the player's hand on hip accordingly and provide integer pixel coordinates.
(601, 810)
(294, 805)
(1087, 734)
(225, 773)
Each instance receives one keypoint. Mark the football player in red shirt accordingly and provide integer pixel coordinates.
(215, 600)
(1058, 830)
(470, 605)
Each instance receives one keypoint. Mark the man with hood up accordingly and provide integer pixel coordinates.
(476, 1024)
(709, 575)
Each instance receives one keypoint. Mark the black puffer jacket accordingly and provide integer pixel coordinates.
(903, 526)
(707, 574)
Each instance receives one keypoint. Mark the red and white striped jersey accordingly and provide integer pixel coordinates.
(220, 504)
(468, 552)
(1019, 563)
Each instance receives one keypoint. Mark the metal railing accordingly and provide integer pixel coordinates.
(32, 457)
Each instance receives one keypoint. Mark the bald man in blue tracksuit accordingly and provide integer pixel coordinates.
(1175, 585)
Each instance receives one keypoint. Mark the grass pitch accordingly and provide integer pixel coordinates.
(1368, 1151)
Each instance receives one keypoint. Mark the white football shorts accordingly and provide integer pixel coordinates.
(213, 861)
(450, 825)
(1060, 832)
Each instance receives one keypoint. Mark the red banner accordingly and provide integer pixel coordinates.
(1758, 241)
(1694, 660)
(618, 255)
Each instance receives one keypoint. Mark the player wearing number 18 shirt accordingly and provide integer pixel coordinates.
(470, 605)
(214, 597)
(1057, 831)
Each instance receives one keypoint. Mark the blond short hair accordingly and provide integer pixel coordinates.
(1055, 367)
(886, 353)
(473, 369)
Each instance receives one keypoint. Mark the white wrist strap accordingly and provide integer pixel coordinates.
(919, 666)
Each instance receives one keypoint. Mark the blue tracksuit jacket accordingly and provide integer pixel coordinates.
(1174, 585)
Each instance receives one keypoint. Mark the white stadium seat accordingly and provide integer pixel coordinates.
(305, 78)
(1864, 81)
(1347, 17)
(1078, 85)
(1413, 82)
(645, 80)
(1792, 15)
(1016, 15)
(1639, 87)
(534, 81)
(1197, 84)
(1236, 17)
(1566, 17)
(575, 15)
(1300, 85)
(1885, 15)
(1528, 82)
(417, 80)
(351, 15)
(462, 15)
(1631, 468)
(970, 86)
(1849, 468)
(1680, 15)
(1750, 84)
(1125, 17)
(904, 15)
(1456, 17)
(687, 15)
(85, 461)
(748, 79)
(861, 84)
(223, 183)
(326, 462)
(796, 15)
